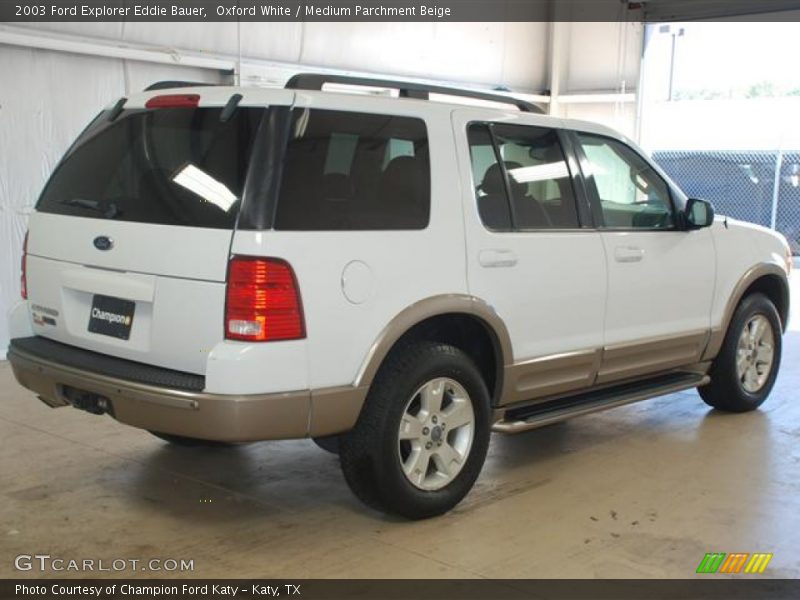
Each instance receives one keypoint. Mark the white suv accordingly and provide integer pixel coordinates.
(393, 277)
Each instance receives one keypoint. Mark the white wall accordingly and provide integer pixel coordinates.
(512, 54)
(603, 56)
(601, 63)
(47, 97)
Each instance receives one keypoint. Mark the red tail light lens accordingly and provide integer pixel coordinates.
(263, 301)
(23, 278)
(173, 101)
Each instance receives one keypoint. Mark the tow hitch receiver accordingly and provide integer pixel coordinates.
(88, 401)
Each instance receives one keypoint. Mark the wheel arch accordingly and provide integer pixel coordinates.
(465, 321)
(767, 278)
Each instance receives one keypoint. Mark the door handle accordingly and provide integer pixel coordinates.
(497, 258)
(628, 254)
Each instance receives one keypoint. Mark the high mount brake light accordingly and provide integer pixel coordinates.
(173, 101)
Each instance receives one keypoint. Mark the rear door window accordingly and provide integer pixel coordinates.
(534, 172)
(170, 166)
(358, 171)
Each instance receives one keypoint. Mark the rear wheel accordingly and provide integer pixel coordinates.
(421, 439)
(744, 372)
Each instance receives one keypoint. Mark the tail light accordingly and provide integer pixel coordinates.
(23, 278)
(262, 301)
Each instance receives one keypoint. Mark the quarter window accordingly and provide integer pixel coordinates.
(357, 171)
(632, 195)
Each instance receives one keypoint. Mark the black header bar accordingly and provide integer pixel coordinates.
(709, 588)
(22, 11)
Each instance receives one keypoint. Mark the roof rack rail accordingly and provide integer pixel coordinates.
(165, 85)
(407, 89)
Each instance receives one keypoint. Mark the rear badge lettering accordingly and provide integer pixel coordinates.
(43, 315)
(44, 310)
(111, 316)
(104, 315)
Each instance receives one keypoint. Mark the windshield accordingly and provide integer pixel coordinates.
(171, 166)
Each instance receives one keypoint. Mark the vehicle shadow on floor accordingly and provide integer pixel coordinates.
(269, 477)
(298, 477)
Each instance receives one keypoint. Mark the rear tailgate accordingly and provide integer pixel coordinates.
(129, 244)
(178, 301)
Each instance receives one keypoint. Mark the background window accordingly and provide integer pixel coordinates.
(632, 195)
(538, 178)
(346, 170)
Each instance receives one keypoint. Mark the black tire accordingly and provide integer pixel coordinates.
(370, 455)
(329, 443)
(726, 390)
(188, 442)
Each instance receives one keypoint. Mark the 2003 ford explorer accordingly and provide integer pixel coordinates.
(391, 276)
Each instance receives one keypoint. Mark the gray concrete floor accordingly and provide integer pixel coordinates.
(640, 491)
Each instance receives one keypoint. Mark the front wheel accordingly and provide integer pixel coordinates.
(744, 372)
(421, 439)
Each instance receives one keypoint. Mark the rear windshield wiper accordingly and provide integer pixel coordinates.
(111, 211)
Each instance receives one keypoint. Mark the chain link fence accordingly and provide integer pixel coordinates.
(762, 187)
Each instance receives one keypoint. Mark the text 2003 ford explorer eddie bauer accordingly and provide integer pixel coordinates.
(393, 277)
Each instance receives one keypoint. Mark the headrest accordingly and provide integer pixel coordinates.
(337, 186)
(493, 181)
(404, 176)
(401, 167)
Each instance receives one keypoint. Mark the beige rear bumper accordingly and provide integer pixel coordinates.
(230, 418)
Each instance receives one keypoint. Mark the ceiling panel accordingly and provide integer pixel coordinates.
(689, 10)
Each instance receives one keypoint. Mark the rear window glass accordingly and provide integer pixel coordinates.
(171, 166)
(347, 170)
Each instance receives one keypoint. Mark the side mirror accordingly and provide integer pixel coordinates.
(698, 213)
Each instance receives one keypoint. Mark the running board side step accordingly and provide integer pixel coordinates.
(553, 411)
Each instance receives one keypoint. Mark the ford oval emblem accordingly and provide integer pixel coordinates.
(102, 242)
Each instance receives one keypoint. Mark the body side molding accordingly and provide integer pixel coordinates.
(543, 378)
(645, 356)
(548, 375)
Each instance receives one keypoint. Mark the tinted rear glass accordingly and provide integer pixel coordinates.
(172, 166)
(347, 170)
